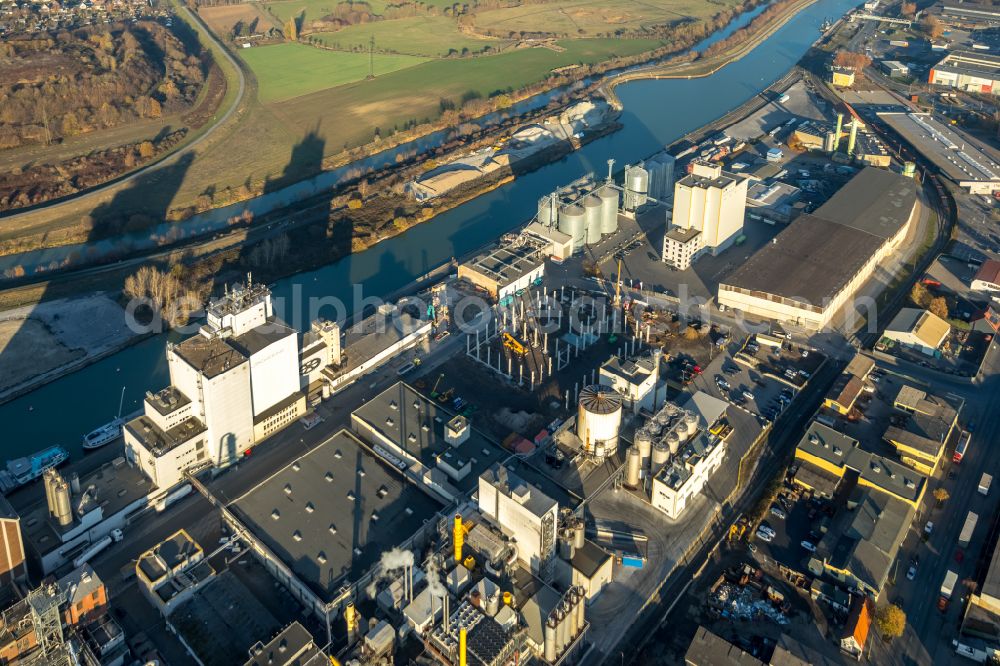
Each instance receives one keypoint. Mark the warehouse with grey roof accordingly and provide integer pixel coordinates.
(797, 278)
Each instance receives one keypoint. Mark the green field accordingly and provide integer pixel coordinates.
(594, 17)
(419, 35)
(415, 93)
(316, 9)
(288, 70)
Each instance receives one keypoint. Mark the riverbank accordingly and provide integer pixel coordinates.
(705, 67)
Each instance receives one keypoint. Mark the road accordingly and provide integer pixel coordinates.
(167, 158)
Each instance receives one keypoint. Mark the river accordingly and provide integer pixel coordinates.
(655, 114)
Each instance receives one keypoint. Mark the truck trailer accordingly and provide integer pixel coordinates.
(968, 529)
(984, 484)
(947, 587)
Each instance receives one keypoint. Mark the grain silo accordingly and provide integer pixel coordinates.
(609, 209)
(598, 419)
(571, 223)
(592, 219)
(548, 210)
(632, 466)
(636, 187)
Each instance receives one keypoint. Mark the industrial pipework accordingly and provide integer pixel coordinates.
(458, 536)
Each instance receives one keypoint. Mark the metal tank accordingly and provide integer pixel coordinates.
(661, 454)
(633, 463)
(579, 534)
(644, 443)
(560, 630)
(636, 187)
(63, 508)
(690, 425)
(592, 219)
(548, 207)
(664, 417)
(609, 209)
(598, 419)
(550, 640)
(493, 603)
(570, 603)
(581, 609)
(568, 622)
(654, 429)
(566, 550)
(673, 442)
(571, 223)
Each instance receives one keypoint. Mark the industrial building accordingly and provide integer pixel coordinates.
(869, 150)
(971, 14)
(170, 572)
(987, 278)
(231, 386)
(918, 329)
(895, 68)
(774, 202)
(636, 379)
(859, 548)
(661, 176)
(971, 71)
(694, 435)
(797, 279)
(709, 206)
(523, 512)
(434, 447)
(508, 268)
(321, 522)
(293, 646)
(959, 157)
(13, 562)
(921, 440)
(814, 135)
(585, 210)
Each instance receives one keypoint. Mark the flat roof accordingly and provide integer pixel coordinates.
(293, 642)
(507, 263)
(710, 649)
(800, 263)
(589, 559)
(973, 63)
(222, 621)
(372, 336)
(174, 551)
(161, 441)
(330, 514)
(954, 153)
(261, 337)
(167, 400)
(682, 235)
(210, 356)
(399, 413)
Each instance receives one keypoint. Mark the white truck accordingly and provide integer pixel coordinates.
(947, 587)
(968, 529)
(115, 537)
(984, 484)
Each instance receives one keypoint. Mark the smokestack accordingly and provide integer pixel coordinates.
(840, 128)
(461, 647)
(351, 619)
(63, 510)
(458, 537)
(852, 138)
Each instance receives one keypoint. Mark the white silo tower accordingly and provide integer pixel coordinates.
(598, 420)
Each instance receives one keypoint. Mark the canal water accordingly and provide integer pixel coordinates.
(656, 113)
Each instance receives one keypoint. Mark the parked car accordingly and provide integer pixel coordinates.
(808, 545)
(929, 527)
(911, 573)
(765, 536)
(748, 395)
(778, 512)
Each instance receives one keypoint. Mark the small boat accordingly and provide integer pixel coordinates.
(21, 471)
(108, 432)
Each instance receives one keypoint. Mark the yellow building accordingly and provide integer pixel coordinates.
(845, 391)
(922, 439)
(842, 77)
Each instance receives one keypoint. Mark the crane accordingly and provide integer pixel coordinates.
(436, 384)
(513, 344)
(618, 284)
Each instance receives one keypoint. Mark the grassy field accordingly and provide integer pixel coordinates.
(222, 18)
(585, 18)
(289, 70)
(310, 10)
(419, 35)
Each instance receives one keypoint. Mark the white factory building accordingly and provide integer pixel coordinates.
(699, 454)
(522, 512)
(635, 379)
(709, 207)
(231, 386)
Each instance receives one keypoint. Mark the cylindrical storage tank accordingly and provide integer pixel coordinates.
(690, 425)
(609, 209)
(581, 608)
(64, 510)
(566, 550)
(633, 463)
(909, 169)
(654, 429)
(550, 640)
(636, 187)
(661, 454)
(508, 599)
(325, 391)
(548, 207)
(663, 417)
(579, 534)
(592, 219)
(673, 442)
(644, 443)
(598, 419)
(571, 223)
(568, 624)
(570, 605)
(48, 479)
(560, 630)
(493, 604)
